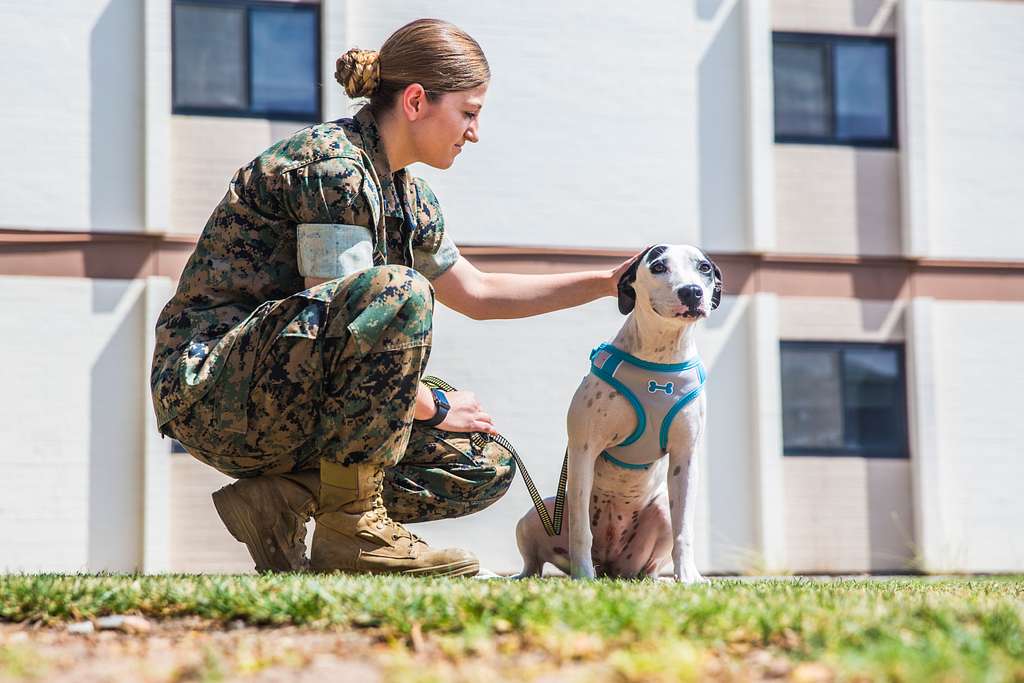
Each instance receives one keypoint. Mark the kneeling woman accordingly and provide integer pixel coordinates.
(308, 391)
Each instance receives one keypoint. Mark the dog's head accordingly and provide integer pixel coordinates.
(676, 281)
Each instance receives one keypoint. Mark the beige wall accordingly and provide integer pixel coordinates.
(199, 541)
(848, 514)
(872, 17)
(832, 199)
(205, 153)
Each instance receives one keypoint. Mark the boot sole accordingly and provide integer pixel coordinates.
(461, 568)
(236, 516)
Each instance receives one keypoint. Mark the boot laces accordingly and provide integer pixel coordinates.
(383, 521)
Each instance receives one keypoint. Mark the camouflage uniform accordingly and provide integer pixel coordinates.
(254, 374)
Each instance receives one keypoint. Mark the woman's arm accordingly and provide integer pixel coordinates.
(484, 296)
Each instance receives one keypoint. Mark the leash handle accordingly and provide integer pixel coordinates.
(553, 527)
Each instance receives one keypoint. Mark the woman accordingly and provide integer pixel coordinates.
(307, 391)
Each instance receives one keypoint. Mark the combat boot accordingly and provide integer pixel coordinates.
(269, 514)
(354, 533)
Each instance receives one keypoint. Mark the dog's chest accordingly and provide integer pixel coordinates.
(619, 506)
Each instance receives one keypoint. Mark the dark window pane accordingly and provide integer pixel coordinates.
(801, 90)
(812, 415)
(209, 57)
(862, 91)
(872, 402)
(284, 61)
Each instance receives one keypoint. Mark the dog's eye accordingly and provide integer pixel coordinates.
(704, 267)
(658, 267)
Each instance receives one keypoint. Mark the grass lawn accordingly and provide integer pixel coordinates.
(909, 629)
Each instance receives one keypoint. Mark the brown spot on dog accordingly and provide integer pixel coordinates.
(630, 556)
(675, 472)
(590, 403)
(599, 394)
(613, 394)
(671, 505)
(559, 550)
(595, 498)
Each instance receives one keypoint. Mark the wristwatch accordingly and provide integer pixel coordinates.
(441, 405)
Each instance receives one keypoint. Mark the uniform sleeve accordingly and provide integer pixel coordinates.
(434, 252)
(327, 191)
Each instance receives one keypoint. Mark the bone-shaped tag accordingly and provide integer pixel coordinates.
(653, 387)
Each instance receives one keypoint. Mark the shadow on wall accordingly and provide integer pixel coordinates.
(721, 131)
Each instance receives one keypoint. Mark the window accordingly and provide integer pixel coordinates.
(843, 399)
(244, 58)
(834, 90)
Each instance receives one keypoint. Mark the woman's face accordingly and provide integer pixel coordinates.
(447, 124)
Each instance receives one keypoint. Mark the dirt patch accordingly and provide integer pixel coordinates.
(195, 650)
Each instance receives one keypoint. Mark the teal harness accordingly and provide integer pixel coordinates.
(657, 392)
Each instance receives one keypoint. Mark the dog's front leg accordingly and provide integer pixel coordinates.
(581, 536)
(682, 496)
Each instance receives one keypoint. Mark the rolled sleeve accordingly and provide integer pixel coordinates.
(434, 265)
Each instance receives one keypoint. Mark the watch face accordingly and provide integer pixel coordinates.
(441, 398)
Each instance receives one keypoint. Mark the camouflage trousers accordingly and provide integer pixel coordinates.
(332, 373)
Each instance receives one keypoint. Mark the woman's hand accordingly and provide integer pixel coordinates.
(620, 270)
(466, 415)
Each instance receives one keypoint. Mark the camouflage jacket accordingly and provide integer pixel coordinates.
(334, 172)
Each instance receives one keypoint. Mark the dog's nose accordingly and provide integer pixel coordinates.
(690, 295)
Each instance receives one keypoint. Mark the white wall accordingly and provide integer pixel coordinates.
(72, 94)
(71, 433)
(973, 99)
(587, 137)
(979, 373)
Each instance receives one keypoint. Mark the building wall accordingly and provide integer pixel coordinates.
(837, 200)
(868, 17)
(72, 94)
(205, 153)
(73, 407)
(978, 434)
(973, 96)
(846, 513)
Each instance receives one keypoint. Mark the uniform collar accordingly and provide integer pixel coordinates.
(374, 148)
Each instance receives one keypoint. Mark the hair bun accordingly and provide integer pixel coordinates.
(358, 71)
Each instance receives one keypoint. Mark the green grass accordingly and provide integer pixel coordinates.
(901, 629)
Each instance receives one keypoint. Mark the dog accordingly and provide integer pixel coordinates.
(633, 425)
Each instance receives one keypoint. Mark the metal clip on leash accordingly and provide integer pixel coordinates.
(480, 439)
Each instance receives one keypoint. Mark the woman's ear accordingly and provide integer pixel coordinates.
(414, 97)
(627, 295)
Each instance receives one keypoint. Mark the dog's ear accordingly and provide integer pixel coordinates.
(716, 295)
(627, 295)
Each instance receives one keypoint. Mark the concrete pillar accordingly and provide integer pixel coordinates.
(156, 451)
(932, 532)
(766, 394)
(913, 134)
(157, 115)
(757, 30)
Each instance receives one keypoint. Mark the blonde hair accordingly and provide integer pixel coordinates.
(436, 54)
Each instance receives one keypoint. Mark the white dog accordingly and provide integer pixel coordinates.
(629, 506)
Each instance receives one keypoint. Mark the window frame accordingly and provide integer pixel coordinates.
(829, 41)
(247, 113)
(902, 451)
